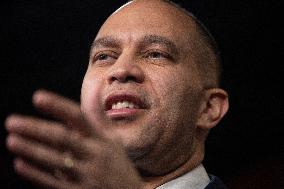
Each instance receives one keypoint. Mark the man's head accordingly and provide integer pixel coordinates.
(152, 81)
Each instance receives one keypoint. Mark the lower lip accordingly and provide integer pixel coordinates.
(122, 113)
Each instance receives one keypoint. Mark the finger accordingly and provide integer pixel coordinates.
(43, 155)
(48, 132)
(63, 109)
(41, 177)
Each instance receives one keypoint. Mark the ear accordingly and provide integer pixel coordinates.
(214, 106)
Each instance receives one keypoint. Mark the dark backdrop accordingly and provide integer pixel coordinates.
(45, 44)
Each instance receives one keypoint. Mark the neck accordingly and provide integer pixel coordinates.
(193, 162)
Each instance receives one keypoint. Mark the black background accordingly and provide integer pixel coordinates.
(45, 44)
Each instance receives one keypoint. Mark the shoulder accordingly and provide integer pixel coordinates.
(215, 183)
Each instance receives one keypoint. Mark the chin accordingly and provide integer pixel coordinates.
(136, 142)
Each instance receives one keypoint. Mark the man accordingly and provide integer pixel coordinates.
(149, 98)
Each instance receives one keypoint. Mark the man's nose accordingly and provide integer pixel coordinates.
(124, 70)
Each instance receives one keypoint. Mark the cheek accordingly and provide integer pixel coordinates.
(162, 82)
(169, 86)
(177, 92)
(90, 103)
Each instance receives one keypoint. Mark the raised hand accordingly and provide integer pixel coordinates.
(68, 153)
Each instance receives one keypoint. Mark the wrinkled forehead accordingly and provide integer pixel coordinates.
(152, 17)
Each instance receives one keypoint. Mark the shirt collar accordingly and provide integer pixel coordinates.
(195, 179)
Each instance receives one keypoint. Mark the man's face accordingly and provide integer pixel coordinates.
(141, 82)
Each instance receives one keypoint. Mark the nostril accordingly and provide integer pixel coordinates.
(126, 74)
(112, 79)
(131, 78)
(124, 79)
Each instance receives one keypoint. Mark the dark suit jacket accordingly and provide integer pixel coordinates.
(215, 183)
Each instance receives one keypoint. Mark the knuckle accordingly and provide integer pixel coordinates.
(63, 137)
(74, 136)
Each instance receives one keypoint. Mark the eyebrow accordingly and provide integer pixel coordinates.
(111, 42)
(160, 40)
(105, 42)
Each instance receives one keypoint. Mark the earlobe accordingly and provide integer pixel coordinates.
(213, 107)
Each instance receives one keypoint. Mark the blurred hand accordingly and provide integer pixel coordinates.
(68, 153)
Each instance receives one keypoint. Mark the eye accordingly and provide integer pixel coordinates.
(156, 55)
(104, 57)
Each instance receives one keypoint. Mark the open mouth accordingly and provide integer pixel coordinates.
(123, 105)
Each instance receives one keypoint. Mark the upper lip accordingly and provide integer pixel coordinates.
(114, 98)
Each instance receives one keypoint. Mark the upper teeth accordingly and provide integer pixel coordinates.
(123, 104)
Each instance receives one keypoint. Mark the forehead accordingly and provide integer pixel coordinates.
(141, 18)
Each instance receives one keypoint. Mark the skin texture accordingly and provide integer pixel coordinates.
(144, 49)
(169, 120)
